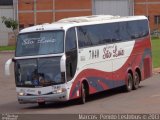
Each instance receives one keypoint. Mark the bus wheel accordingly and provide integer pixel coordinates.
(136, 81)
(129, 85)
(41, 104)
(83, 94)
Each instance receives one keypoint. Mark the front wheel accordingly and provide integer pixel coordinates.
(129, 84)
(83, 94)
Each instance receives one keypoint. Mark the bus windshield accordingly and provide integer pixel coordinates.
(38, 72)
(40, 43)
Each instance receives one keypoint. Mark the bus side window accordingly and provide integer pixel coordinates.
(124, 32)
(138, 29)
(83, 37)
(70, 39)
(71, 53)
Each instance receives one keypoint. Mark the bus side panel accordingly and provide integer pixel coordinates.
(99, 80)
(144, 57)
(124, 57)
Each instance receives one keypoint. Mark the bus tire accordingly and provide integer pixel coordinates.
(83, 94)
(129, 85)
(136, 81)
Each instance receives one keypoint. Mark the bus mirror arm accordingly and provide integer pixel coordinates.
(63, 63)
(7, 67)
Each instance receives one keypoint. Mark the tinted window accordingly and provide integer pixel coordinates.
(157, 19)
(111, 32)
(144, 29)
(83, 37)
(40, 43)
(106, 33)
(71, 54)
(95, 34)
(6, 2)
(124, 32)
(70, 39)
(38, 72)
(138, 29)
(115, 33)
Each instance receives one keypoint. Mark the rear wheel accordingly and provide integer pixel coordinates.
(83, 94)
(129, 85)
(136, 81)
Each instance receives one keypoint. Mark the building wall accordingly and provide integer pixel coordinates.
(150, 8)
(33, 12)
(6, 35)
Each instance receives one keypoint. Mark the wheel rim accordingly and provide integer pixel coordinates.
(137, 79)
(83, 94)
(129, 82)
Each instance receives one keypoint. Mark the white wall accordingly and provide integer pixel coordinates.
(4, 32)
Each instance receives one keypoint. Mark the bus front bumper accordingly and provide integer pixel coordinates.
(43, 98)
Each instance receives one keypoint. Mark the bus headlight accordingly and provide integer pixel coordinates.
(21, 94)
(58, 90)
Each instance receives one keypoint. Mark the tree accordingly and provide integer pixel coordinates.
(11, 24)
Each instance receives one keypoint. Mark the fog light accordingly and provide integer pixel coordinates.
(59, 90)
(21, 93)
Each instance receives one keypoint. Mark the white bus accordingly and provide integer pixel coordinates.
(79, 56)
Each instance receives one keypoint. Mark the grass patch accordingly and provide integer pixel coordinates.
(6, 48)
(156, 52)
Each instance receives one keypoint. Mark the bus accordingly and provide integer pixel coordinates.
(79, 56)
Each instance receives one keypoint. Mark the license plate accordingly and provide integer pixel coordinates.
(40, 100)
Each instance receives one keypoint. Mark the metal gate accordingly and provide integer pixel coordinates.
(113, 7)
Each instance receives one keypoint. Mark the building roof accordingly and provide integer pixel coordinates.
(6, 2)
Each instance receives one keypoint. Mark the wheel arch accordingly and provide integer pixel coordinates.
(129, 70)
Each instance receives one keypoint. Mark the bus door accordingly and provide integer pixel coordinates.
(71, 53)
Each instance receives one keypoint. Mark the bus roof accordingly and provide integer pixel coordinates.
(66, 23)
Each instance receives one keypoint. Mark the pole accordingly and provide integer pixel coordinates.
(53, 10)
(147, 8)
(35, 11)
